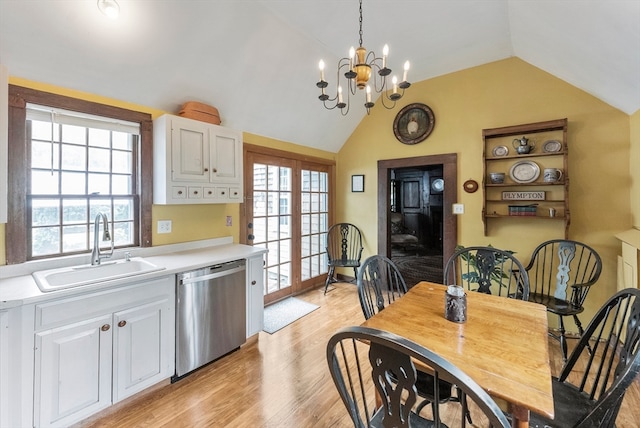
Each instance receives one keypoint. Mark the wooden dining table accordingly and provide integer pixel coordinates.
(503, 344)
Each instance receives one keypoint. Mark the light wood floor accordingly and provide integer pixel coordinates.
(280, 380)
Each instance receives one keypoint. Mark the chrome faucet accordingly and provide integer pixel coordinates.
(96, 255)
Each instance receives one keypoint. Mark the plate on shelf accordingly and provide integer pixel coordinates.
(552, 146)
(500, 151)
(524, 172)
(437, 185)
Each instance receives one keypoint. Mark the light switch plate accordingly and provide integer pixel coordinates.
(164, 226)
(458, 208)
(229, 221)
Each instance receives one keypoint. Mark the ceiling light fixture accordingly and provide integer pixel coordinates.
(109, 8)
(357, 68)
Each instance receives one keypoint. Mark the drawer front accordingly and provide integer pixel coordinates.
(195, 192)
(59, 312)
(179, 192)
(234, 193)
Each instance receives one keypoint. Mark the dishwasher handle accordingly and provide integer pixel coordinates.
(215, 274)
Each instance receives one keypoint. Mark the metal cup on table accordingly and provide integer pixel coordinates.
(455, 305)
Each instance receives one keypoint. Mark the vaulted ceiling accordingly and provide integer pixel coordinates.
(256, 60)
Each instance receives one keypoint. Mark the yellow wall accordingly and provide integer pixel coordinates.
(507, 92)
(189, 222)
(634, 161)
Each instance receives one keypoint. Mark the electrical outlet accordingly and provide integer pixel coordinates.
(458, 208)
(229, 221)
(164, 226)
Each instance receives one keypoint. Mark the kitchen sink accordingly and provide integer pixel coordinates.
(76, 276)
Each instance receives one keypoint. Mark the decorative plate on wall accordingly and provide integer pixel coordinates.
(414, 123)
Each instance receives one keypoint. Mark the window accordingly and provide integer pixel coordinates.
(70, 160)
(80, 166)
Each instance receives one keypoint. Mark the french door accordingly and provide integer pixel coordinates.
(287, 212)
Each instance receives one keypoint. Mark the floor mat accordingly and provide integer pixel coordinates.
(283, 313)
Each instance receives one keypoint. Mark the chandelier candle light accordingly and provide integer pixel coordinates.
(357, 68)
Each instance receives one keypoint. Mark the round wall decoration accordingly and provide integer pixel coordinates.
(414, 123)
(470, 186)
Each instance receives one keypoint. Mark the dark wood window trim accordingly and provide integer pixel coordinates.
(16, 228)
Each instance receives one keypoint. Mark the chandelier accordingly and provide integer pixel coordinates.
(357, 69)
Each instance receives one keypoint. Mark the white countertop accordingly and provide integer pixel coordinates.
(17, 286)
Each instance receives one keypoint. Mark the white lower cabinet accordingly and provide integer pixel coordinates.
(73, 372)
(255, 295)
(104, 347)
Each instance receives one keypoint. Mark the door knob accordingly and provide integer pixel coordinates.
(122, 323)
(105, 327)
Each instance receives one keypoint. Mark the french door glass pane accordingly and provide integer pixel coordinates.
(313, 222)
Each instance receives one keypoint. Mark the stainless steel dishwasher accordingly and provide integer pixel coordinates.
(210, 314)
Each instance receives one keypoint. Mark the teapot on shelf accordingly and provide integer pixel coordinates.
(523, 145)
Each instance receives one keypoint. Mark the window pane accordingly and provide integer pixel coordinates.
(97, 207)
(315, 244)
(272, 227)
(75, 238)
(285, 203)
(306, 224)
(73, 183)
(259, 230)
(285, 228)
(324, 185)
(41, 155)
(273, 256)
(123, 209)
(315, 265)
(285, 179)
(306, 181)
(121, 185)
(305, 268)
(272, 177)
(73, 157)
(259, 177)
(259, 204)
(99, 160)
(74, 211)
(285, 275)
(123, 233)
(285, 251)
(42, 130)
(121, 141)
(74, 134)
(99, 137)
(121, 162)
(98, 184)
(306, 203)
(45, 240)
(45, 212)
(273, 204)
(44, 183)
(305, 246)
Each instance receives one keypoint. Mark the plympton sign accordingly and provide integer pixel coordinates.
(523, 196)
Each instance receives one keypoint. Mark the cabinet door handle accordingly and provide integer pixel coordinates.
(207, 170)
(122, 323)
(215, 170)
(222, 193)
(253, 282)
(105, 327)
(179, 192)
(195, 192)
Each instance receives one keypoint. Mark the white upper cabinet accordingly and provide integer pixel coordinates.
(196, 162)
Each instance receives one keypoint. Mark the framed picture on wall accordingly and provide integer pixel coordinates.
(357, 183)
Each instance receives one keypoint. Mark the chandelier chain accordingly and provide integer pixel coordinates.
(360, 23)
